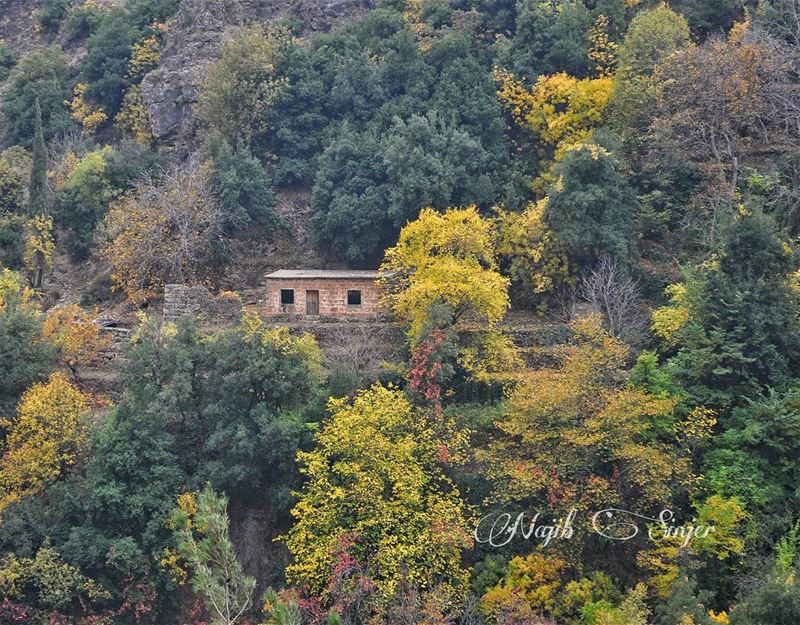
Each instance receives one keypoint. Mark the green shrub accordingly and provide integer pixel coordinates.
(51, 14)
(7, 60)
(12, 240)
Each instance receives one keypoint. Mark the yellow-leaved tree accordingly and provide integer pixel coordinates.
(43, 439)
(376, 495)
(560, 110)
(663, 562)
(39, 248)
(533, 255)
(73, 332)
(579, 437)
(445, 258)
(442, 280)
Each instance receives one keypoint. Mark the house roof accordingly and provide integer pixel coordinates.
(324, 274)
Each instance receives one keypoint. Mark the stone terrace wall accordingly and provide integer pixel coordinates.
(181, 300)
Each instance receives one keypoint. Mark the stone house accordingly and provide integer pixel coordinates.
(340, 293)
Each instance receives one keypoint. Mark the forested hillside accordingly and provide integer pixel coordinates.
(581, 405)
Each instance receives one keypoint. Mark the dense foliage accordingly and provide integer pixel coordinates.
(586, 218)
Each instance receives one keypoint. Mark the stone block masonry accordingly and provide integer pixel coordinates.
(338, 294)
(181, 300)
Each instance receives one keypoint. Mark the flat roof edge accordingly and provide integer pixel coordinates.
(333, 274)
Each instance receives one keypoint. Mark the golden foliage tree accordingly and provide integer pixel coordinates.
(534, 256)
(133, 117)
(39, 248)
(577, 437)
(528, 589)
(88, 116)
(375, 479)
(560, 110)
(445, 258)
(603, 51)
(73, 332)
(43, 439)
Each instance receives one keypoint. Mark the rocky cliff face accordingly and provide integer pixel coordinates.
(171, 90)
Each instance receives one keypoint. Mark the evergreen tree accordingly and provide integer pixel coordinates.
(685, 604)
(742, 332)
(41, 75)
(242, 185)
(591, 207)
(38, 185)
(203, 540)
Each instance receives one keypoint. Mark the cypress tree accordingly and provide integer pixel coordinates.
(38, 185)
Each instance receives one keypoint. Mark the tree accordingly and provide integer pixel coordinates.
(164, 230)
(616, 295)
(632, 611)
(38, 190)
(741, 333)
(707, 18)
(350, 196)
(603, 51)
(105, 66)
(652, 37)
(240, 399)
(39, 249)
(15, 166)
(7, 60)
(533, 39)
(751, 459)
(43, 76)
(445, 259)
(14, 178)
(551, 37)
(723, 106)
(26, 356)
(50, 428)
(242, 185)
(201, 533)
(576, 437)
(241, 85)
(73, 332)
(533, 256)
(775, 601)
(528, 589)
(85, 197)
(370, 184)
(591, 207)
(685, 603)
(570, 50)
(375, 481)
(561, 111)
(133, 477)
(49, 585)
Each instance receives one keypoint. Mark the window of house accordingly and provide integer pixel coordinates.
(354, 298)
(287, 296)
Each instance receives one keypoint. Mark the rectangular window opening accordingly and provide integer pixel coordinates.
(354, 298)
(287, 296)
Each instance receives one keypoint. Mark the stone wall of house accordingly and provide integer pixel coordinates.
(332, 297)
(181, 300)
